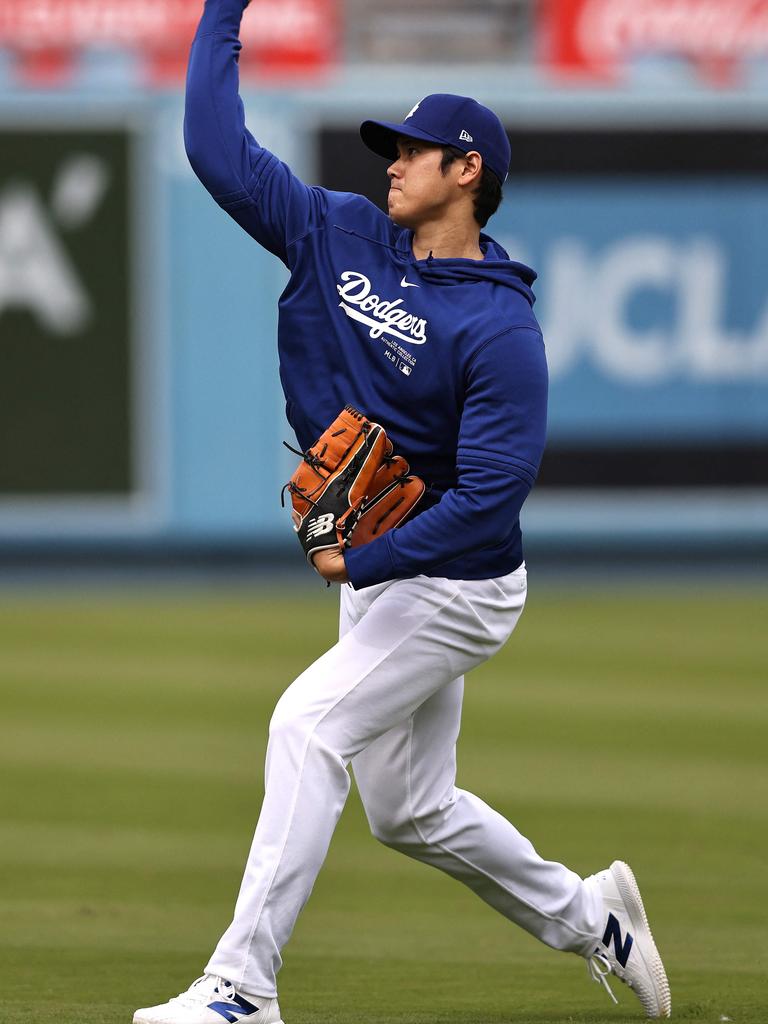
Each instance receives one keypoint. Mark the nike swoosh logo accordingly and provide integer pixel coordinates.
(407, 284)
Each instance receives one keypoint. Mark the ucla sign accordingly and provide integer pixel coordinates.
(654, 302)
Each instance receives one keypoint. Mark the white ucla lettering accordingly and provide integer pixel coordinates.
(589, 299)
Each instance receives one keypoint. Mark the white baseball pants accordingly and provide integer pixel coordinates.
(387, 699)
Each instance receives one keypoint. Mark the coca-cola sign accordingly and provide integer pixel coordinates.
(279, 36)
(595, 38)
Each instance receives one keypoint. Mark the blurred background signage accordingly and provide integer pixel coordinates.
(66, 312)
(138, 365)
(597, 38)
(280, 37)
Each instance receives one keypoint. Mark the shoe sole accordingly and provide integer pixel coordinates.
(144, 1020)
(633, 901)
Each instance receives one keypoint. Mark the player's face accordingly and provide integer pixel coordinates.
(418, 190)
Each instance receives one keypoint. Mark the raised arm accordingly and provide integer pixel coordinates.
(501, 442)
(250, 183)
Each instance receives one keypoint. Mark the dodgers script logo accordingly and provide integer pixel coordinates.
(390, 318)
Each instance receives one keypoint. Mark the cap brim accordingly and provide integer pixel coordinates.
(382, 136)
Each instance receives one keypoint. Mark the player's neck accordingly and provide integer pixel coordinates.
(447, 240)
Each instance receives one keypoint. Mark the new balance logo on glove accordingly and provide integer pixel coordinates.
(320, 525)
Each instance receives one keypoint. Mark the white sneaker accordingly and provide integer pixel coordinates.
(634, 958)
(211, 1000)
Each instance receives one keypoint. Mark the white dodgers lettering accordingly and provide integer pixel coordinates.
(387, 317)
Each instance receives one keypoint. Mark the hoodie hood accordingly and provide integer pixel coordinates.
(496, 268)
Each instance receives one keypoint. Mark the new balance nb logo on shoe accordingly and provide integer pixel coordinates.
(627, 950)
(211, 999)
(231, 1012)
(613, 931)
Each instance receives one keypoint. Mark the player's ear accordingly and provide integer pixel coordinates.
(472, 170)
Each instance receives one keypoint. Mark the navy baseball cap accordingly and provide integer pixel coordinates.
(446, 120)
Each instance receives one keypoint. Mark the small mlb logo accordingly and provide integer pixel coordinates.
(404, 368)
(464, 136)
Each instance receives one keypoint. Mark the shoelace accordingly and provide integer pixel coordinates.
(200, 993)
(594, 964)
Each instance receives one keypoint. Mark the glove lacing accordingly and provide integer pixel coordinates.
(315, 461)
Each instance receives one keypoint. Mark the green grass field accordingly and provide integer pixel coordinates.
(616, 723)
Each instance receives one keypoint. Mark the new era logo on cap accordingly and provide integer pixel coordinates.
(445, 120)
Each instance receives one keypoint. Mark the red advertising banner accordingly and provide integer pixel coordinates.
(595, 38)
(280, 37)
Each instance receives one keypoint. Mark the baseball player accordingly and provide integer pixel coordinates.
(422, 322)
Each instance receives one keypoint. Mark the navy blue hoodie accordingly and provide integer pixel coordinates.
(445, 353)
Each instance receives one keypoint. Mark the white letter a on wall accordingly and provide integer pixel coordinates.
(36, 272)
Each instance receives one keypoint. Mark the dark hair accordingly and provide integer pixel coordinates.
(488, 194)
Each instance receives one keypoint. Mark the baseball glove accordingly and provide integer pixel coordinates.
(349, 486)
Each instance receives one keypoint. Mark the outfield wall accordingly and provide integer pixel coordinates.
(137, 323)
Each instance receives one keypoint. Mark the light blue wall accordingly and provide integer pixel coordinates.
(222, 328)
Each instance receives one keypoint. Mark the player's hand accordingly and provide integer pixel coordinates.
(330, 565)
